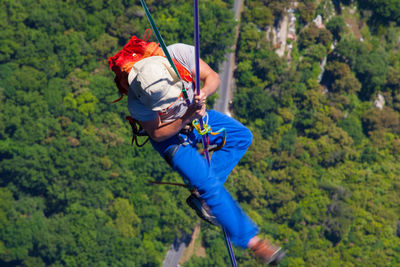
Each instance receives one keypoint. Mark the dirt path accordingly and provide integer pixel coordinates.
(194, 248)
(353, 25)
(282, 36)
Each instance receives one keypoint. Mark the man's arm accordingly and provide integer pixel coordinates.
(209, 78)
(160, 132)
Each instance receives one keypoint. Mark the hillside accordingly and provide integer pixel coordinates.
(321, 178)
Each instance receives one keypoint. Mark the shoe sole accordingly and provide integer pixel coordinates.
(277, 257)
(195, 204)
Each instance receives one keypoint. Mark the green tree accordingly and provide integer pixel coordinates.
(352, 125)
(341, 79)
(307, 11)
(314, 35)
(336, 26)
(370, 67)
(375, 119)
(260, 14)
(384, 11)
(124, 218)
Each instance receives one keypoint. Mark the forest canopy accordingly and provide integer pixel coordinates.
(321, 177)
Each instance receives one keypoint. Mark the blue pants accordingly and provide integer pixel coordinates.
(209, 180)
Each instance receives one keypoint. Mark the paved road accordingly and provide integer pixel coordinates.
(226, 72)
(175, 251)
(225, 88)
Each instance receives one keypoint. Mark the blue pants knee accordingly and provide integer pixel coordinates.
(209, 180)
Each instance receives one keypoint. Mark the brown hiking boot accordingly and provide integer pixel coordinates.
(268, 252)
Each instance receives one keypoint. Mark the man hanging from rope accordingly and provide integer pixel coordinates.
(156, 102)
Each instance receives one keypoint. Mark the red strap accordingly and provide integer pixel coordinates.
(146, 34)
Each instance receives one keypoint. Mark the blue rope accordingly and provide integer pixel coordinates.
(204, 138)
(197, 64)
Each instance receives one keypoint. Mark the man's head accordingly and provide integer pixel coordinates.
(154, 82)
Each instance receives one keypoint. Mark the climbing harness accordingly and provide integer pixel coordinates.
(207, 130)
(137, 130)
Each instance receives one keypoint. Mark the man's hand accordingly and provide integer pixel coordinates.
(202, 97)
(197, 109)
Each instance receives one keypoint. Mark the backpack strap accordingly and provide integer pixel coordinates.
(137, 130)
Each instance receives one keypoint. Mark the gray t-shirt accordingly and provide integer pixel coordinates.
(184, 54)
